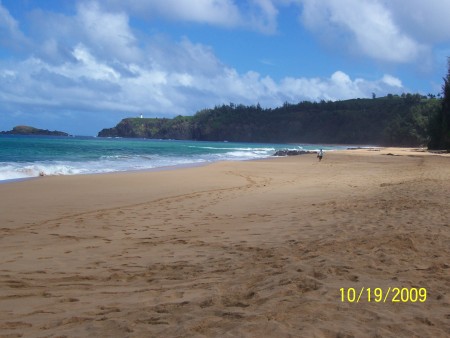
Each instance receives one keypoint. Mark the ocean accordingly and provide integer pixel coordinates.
(29, 156)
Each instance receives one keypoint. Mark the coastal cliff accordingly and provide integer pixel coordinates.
(392, 121)
(179, 128)
(27, 130)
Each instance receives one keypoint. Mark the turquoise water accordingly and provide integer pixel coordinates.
(28, 156)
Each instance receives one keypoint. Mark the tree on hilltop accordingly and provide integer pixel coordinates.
(440, 125)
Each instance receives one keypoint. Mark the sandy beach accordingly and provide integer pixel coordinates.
(232, 249)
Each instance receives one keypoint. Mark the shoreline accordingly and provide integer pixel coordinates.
(364, 149)
(242, 248)
(155, 169)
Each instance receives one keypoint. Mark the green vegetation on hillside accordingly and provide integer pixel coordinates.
(440, 122)
(391, 120)
(406, 120)
(179, 128)
(27, 130)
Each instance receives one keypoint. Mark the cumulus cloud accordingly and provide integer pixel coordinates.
(427, 20)
(216, 12)
(263, 16)
(107, 69)
(367, 24)
(10, 34)
(160, 89)
(109, 32)
(259, 15)
(337, 87)
(392, 81)
(94, 63)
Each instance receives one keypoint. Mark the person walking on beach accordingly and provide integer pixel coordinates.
(320, 155)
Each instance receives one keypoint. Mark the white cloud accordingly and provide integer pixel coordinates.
(7, 22)
(392, 81)
(369, 25)
(184, 56)
(263, 16)
(159, 89)
(110, 33)
(427, 20)
(95, 63)
(89, 67)
(10, 33)
(259, 15)
(338, 86)
(216, 12)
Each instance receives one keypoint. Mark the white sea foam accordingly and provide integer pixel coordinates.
(233, 155)
(123, 162)
(11, 171)
(20, 170)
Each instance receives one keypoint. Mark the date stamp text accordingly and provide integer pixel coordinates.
(380, 295)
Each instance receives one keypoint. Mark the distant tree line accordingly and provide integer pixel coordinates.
(439, 128)
(392, 120)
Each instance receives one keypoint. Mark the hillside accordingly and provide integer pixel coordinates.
(391, 120)
(27, 130)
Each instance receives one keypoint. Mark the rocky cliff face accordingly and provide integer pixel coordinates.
(179, 128)
(27, 130)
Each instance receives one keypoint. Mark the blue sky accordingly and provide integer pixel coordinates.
(80, 66)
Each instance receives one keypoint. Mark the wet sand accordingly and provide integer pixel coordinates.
(256, 248)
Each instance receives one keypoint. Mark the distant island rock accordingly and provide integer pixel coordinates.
(27, 130)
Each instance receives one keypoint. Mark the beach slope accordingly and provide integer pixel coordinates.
(255, 248)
